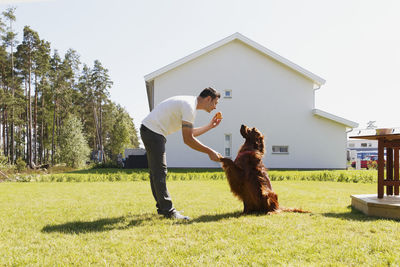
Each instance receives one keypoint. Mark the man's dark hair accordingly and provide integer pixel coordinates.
(210, 92)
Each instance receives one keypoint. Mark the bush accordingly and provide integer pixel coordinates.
(74, 149)
(111, 175)
(106, 165)
(20, 165)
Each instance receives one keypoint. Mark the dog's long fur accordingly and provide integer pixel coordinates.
(248, 177)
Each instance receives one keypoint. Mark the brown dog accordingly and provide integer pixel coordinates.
(248, 177)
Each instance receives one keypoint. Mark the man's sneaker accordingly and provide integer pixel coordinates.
(176, 215)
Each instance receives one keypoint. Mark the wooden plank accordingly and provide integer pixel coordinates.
(391, 182)
(391, 143)
(378, 137)
(396, 170)
(381, 166)
(389, 170)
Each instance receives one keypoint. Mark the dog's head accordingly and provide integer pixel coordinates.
(254, 138)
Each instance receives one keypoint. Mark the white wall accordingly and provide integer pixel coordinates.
(265, 94)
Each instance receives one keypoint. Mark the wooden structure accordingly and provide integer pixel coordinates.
(390, 143)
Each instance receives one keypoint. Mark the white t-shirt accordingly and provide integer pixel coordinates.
(166, 118)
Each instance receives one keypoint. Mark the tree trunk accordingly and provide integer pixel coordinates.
(30, 116)
(27, 121)
(103, 159)
(11, 144)
(53, 149)
(12, 104)
(41, 150)
(35, 123)
(98, 137)
(4, 131)
(7, 137)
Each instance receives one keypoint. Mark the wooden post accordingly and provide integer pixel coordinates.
(389, 170)
(396, 170)
(381, 165)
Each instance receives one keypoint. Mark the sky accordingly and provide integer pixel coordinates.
(353, 44)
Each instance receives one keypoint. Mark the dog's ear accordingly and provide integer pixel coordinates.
(260, 144)
(258, 140)
(243, 131)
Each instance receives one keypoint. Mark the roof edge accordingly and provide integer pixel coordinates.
(236, 36)
(329, 116)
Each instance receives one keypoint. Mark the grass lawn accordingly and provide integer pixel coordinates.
(109, 224)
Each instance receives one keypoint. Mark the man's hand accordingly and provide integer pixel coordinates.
(215, 121)
(214, 156)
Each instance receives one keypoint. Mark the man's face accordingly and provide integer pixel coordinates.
(211, 103)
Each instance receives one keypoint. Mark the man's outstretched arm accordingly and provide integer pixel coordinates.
(192, 142)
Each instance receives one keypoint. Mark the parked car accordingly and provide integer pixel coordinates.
(366, 162)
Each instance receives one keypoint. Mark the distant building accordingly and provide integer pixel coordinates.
(361, 148)
(135, 158)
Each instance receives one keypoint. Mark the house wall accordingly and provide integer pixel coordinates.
(265, 94)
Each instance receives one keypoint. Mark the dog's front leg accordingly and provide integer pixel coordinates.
(226, 163)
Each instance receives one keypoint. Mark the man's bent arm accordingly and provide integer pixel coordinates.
(200, 130)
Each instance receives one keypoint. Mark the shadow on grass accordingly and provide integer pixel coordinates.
(355, 215)
(216, 217)
(125, 222)
(100, 225)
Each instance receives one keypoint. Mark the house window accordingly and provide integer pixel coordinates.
(351, 145)
(228, 145)
(227, 93)
(363, 144)
(280, 150)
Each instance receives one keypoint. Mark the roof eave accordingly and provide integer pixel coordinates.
(237, 36)
(337, 119)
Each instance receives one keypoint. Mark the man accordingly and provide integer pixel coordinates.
(169, 116)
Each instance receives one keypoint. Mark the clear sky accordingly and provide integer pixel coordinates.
(353, 44)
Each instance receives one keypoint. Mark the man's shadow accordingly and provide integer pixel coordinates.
(100, 225)
(125, 222)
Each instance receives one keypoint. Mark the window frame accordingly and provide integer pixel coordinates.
(280, 149)
(228, 145)
(230, 93)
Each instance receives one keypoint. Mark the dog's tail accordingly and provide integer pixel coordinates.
(293, 210)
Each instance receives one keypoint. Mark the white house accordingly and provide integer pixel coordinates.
(260, 89)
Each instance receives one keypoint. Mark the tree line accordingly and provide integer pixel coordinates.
(44, 94)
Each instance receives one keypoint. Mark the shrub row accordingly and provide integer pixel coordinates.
(349, 176)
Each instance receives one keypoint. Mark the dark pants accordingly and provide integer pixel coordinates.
(156, 157)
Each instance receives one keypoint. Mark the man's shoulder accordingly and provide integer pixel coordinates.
(185, 98)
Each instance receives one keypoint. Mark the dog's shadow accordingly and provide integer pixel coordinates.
(216, 217)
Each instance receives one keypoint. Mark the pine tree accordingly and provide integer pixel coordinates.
(74, 149)
(9, 40)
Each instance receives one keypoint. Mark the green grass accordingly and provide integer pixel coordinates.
(112, 224)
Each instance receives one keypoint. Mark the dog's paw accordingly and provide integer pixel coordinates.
(226, 162)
